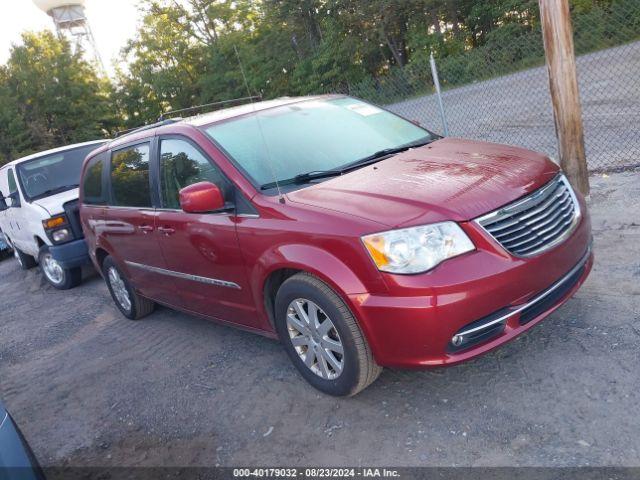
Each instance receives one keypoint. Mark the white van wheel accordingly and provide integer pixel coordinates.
(58, 277)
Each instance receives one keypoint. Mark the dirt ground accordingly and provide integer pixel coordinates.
(91, 388)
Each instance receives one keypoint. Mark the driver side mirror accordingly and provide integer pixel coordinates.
(15, 199)
(202, 197)
(3, 203)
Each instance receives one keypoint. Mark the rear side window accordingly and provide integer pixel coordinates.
(130, 177)
(181, 165)
(92, 184)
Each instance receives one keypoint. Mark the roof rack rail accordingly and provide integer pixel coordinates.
(163, 117)
(160, 123)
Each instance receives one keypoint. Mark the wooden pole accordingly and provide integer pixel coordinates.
(565, 97)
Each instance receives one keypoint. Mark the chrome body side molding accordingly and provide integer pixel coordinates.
(185, 276)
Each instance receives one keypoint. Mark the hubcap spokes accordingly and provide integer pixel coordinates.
(315, 339)
(119, 289)
(52, 269)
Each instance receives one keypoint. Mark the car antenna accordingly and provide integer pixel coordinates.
(257, 117)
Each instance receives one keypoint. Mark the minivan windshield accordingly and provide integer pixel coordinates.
(54, 173)
(319, 135)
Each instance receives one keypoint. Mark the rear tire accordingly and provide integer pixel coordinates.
(130, 304)
(58, 277)
(27, 262)
(304, 301)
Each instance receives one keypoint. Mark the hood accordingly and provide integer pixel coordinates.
(451, 179)
(53, 204)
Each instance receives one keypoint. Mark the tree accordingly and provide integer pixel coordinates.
(14, 131)
(163, 64)
(59, 95)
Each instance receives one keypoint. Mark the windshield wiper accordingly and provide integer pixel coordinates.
(382, 154)
(303, 178)
(373, 158)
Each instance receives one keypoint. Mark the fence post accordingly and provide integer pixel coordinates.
(565, 96)
(436, 83)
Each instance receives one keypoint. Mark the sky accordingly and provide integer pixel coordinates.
(113, 22)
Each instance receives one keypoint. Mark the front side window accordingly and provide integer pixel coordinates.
(92, 185)
(181, 165)
(315, 135)
(12, 187)
(12, 181)
(54, 173)
(130, 177)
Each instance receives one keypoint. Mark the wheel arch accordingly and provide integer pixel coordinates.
(39, 241)
(100, 255)
(281, 263)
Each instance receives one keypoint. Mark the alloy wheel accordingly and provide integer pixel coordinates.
(315, 339)
(119, 289)
(52, 269)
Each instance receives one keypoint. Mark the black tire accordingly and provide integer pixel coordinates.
(359, 367)
(27, 262)
(71, 277)
(140, 306)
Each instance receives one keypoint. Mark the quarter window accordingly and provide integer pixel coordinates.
(130, 177)
(181, 165)
(92, 185)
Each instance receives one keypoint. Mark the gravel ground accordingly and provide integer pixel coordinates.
(516, 108)
(91, 388)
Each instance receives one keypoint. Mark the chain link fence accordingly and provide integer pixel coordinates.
(500, 92)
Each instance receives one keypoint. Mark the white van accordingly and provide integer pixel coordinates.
(39, 212)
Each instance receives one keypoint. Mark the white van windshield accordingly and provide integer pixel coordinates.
(51, 174)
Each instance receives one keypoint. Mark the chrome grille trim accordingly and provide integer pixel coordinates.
(537, 222)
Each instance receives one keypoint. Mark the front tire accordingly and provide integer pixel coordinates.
(322, 338)
(58, 277)
(130, 304)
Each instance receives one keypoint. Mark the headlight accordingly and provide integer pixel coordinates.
(60, 236)
(417, 249)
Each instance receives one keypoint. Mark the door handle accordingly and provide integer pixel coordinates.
(145, 229)
(167, 230)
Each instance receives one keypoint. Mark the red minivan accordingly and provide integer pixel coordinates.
(357, 238)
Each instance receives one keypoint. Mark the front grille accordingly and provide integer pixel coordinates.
(537, 222)
(72, 210)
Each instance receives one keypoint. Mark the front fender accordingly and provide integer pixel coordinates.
(321, 263)
(317, 261)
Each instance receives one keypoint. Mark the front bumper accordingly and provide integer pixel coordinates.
(413, 327)
(71, 255)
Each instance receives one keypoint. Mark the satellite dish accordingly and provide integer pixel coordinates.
(48, 5)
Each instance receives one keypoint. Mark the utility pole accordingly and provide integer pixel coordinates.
(565, 97)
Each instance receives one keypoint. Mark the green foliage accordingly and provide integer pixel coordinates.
(49, 96)
(14, 131)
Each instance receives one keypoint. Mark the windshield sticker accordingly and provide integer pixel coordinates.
(364, 110)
